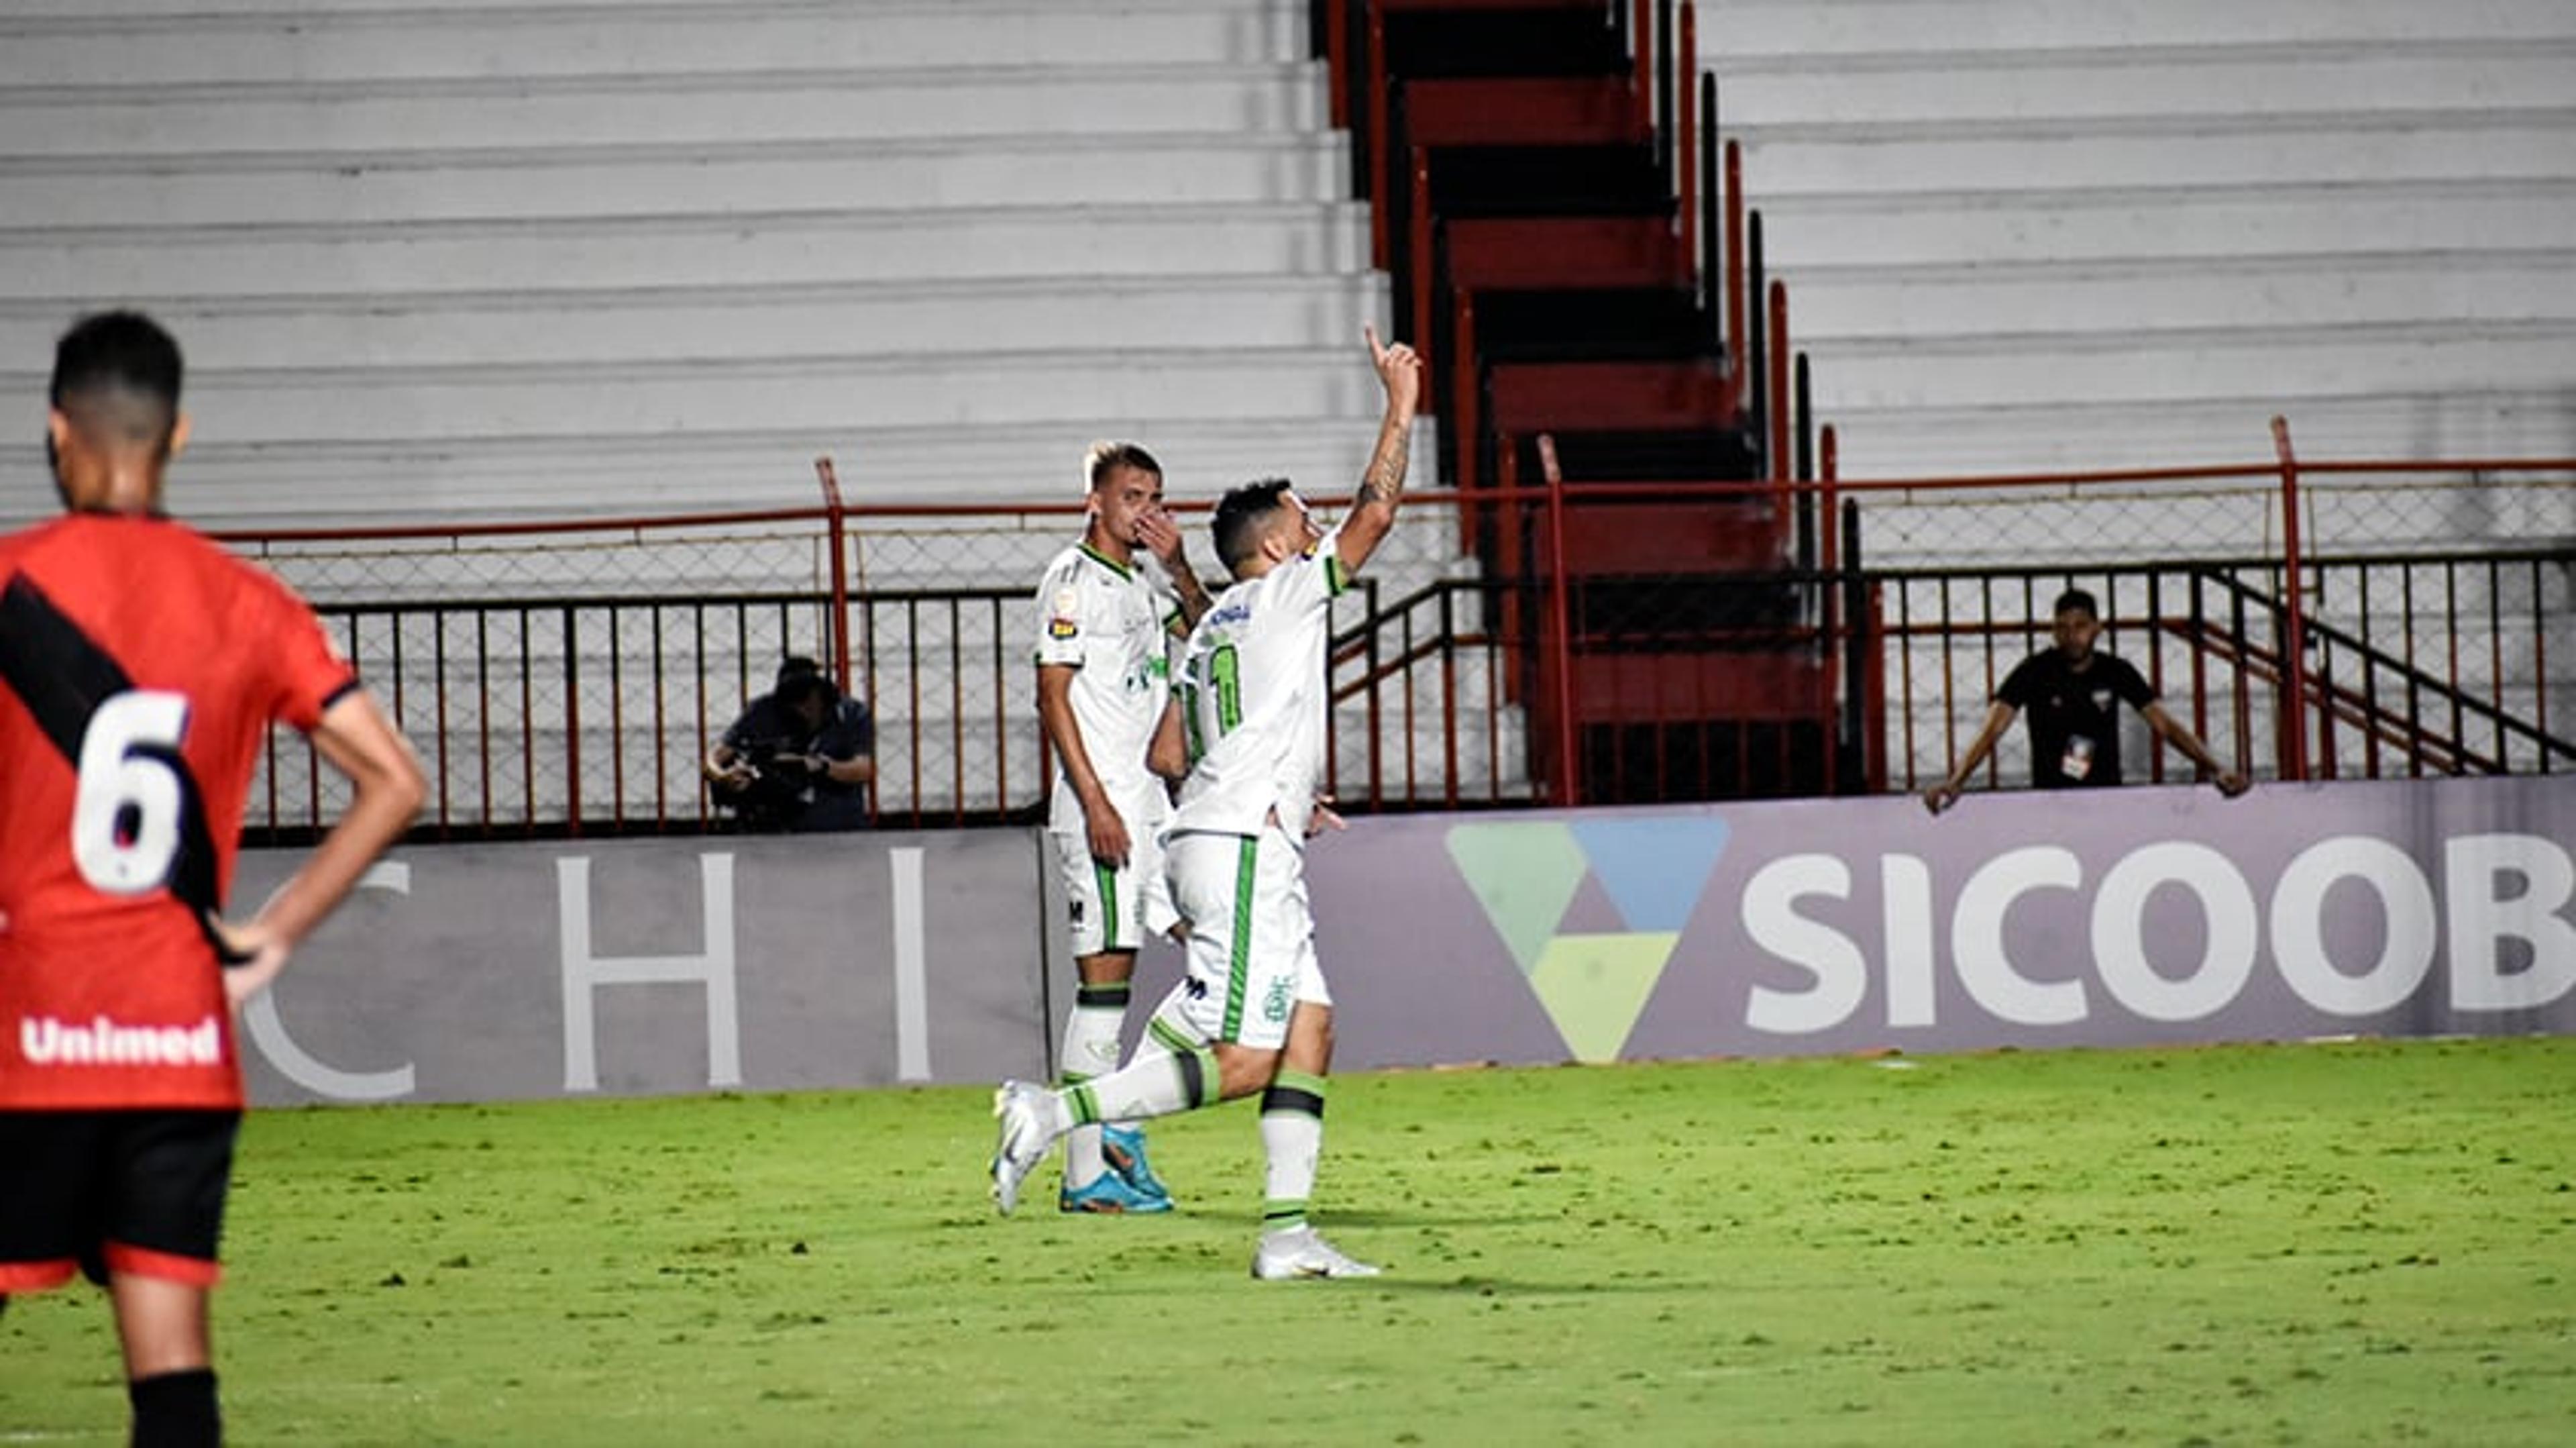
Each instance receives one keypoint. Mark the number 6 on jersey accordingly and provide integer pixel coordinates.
(125, 817)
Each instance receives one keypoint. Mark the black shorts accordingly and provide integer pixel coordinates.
(100, 1192)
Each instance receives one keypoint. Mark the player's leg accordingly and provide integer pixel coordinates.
(169, 1361)
(1292, 1120)
(1122, 1144)
(1091, 1048)
(51, 1180)
(1101, 902)
(1202, 1060)
(1292, 1133)
(163, 1221)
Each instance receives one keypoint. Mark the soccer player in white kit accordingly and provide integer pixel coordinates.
(1104, 625)
(1253, 1013)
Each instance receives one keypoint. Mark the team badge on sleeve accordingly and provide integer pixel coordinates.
(1064, 616)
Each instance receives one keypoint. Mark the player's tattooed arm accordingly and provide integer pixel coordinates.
(1401, 370)
(1384, 480)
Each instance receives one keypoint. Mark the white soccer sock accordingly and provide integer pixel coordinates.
(1090, 1051)
(1292, 1138)
(1154, 1084)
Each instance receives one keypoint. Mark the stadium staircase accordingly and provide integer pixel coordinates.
(1529, 165)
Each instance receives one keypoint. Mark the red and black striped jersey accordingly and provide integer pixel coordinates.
(140, 668)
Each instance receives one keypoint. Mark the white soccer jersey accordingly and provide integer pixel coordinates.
(1253, 698)
(1109, 623)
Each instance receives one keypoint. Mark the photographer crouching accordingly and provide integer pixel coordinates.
(800, 758)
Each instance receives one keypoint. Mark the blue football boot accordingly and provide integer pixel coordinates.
(1110, 1195)
(1123, 1147)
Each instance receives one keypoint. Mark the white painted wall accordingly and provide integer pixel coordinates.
(465, 258)
(2028, 234)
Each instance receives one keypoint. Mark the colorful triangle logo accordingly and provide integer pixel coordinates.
(1525, 875)
(1595, 986)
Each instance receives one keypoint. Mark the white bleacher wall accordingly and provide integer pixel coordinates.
(2036, 235)
(453, 259)
(2070, 234)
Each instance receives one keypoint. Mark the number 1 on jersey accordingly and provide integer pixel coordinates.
(1224, 678)
(125, 815)
(1225, 675)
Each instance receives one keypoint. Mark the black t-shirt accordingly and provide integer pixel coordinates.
(2074, 715)
(769, 728)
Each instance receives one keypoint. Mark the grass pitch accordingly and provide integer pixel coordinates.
(2322, 1244)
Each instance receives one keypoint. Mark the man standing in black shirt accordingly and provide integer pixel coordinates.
(2073, 695)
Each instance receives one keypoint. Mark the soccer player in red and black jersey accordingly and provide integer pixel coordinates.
(140, 668)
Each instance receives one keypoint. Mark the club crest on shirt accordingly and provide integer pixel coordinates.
(2102, 700)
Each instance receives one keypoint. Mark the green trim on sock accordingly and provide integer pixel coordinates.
(1283, 1215)
(1085, 1103)
(1289, 1101)
(1211, 1076)
(1112, 996)
(1299, 1081)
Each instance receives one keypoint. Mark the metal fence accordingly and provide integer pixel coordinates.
(2432, 612)
(566, 679)
(569, 678)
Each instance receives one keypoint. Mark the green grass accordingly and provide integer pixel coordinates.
(2327, 1244)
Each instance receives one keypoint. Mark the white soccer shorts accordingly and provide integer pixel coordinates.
(1252, 937)
(1114, 907)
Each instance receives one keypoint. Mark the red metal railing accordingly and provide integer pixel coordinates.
(2258, 565)
(2294, 734)
(565, 677)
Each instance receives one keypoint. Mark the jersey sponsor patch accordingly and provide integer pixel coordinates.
(45, 1041)
(1064, 615)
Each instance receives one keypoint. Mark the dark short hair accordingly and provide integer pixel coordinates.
(1240, 517)
(800, 677)
(2076, 598)
(1107, 457)
(117, 375)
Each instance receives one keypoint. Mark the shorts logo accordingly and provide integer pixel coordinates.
(1591, 911)
(1077, 909)
(1274, 1002)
